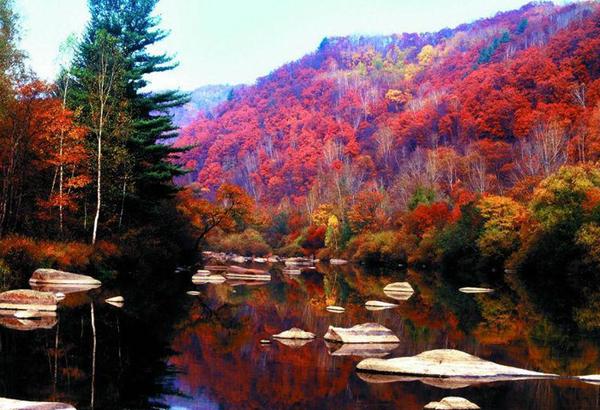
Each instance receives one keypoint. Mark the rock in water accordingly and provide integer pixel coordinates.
(265, 341)
(335, 309)
(294, 333)
(446, 363)
(25, 299)
(338, 261)
(475, 290)
(399, 290)
(117, 301)
(378, 305)
(289, 271)
(26, 314)
(10, 404)
(365, 333)
(452, 403)
(193, 292)
(200, 280)
(58, 277)
(590, 378)
(202, 272)
(237, 272)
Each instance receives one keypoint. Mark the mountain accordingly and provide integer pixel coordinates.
(203, 100)
(490, 106)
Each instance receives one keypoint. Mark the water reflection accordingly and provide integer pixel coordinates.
(165, 349)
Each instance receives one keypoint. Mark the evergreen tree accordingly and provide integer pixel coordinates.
(144, 173)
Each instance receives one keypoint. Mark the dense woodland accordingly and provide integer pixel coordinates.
(84, 176)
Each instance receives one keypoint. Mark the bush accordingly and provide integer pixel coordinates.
(379, 247)
(249, 242)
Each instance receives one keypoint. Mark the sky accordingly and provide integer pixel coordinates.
(237, 41)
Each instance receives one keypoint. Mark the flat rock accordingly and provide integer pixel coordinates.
(452, 403)
(289, 271)
(399, 290)
(26, 314)
(192, 292)
(58, 277)
(590, 378)
(338, 261)
(475, 290)
(294, 333)
(379, 305)
(361, 349)
(116, 299)
(446, 363)
(335, 309)
(64, 289)
(260, 260)
(25, 299)
(10, 404)
(399, 287)
(265, 341)
(202, 272)
(365, 333)
(215, 278)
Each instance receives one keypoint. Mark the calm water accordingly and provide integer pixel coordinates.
(167, 349)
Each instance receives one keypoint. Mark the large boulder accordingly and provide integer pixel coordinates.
(26, 299)
(58, 277)
(365, 333)
(11, 404)
(446, 363)
(452, 403)
(294, 333)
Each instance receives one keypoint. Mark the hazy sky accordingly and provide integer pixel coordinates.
(236, 41)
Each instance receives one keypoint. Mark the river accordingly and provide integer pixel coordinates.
(166, 349)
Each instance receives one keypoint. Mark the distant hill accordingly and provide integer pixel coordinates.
(203, 101)
(485, 106)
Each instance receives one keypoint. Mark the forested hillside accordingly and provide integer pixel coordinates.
(477, 107)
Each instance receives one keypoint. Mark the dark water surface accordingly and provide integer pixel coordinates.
(167, 349)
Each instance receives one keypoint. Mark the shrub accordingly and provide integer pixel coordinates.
(248, 242)
(376, 247)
